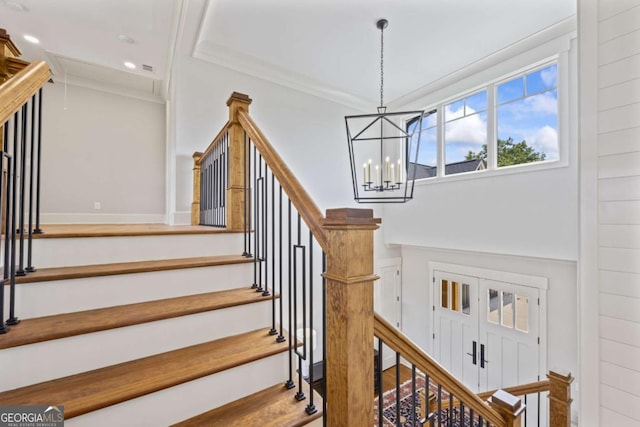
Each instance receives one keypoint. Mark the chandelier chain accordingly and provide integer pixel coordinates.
(382, 67)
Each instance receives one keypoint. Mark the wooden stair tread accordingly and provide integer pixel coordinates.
(51, 231)
(275, 406)
(30, 331)
(97, 389)
(95, 270)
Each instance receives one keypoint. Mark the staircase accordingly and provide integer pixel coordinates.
(146, 325)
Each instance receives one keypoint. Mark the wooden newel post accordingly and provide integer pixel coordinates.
(235, 187)
(195, 205)
(349, 311)
(509, 407)
(560, 399)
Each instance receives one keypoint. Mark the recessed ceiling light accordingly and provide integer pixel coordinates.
(14, 5)
(31, 39)
(130, 65)
(126, 39)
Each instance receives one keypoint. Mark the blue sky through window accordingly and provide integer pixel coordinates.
(526, 110)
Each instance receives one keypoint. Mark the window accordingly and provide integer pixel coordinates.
(427, 160)
(465, 131)
(527, 117)
(509, 122)
(508, 309)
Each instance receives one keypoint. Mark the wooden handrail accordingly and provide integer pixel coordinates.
(214, 142)
(410, 351)
(15, 92)
(518, 390)
(303, 203)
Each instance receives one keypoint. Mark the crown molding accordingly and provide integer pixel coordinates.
(247, 64)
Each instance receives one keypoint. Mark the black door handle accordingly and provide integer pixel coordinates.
(475, 353)
(482, 361)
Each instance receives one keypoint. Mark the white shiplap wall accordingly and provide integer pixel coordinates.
(619, 210)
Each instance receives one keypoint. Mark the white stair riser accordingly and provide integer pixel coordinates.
(186, 400)
(103, 250)
(66, 296)
(48, 360)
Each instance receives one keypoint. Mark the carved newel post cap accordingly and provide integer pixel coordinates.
(239, 97)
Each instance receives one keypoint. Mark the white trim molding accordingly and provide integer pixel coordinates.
(102, 218)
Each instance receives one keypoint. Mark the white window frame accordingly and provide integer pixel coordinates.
(563, 84)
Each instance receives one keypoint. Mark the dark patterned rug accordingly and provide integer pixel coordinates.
(410, 414)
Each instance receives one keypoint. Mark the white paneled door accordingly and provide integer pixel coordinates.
(486, 332)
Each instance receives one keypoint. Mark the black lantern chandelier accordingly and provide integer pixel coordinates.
(386, 148)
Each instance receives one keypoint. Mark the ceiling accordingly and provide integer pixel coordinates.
(80, 39)
(327, 47)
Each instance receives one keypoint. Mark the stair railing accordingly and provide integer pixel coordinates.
(318, 272)
(21, 153)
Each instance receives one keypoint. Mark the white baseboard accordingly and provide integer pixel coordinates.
(101, 218)
(181, 218)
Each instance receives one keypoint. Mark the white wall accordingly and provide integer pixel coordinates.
(308, 132)
(528, 214)
(101, 147)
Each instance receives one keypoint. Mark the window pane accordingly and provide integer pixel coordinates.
(465, 144)
(493, 306)
(476, 103)
(454, 110)
(507, 309)
(466, 299)
(455, 296)
(428, 153)
(528, 130)
(522, 313)
(511, 90)
(542, 80)
(444, 294)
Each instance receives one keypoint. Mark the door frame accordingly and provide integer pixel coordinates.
(539, 282)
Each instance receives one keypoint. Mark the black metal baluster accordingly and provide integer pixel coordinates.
(5, 271)
(451, 411)
(471, 417)
(413, 395)
(256, 222)
(439, 405)
(427, 399)
(13, 320)
(379, 374)
(30, 268)
(280, 278)
(201, 221)
(480, 421)
(290, 384)
(311, 408)
(38, 230)
(398, 389)
(274, 330)
(23, 161)
(265, 231)
(525, 410)
(462, 418)
(215, 185)
(300, 394)
(538, 409)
